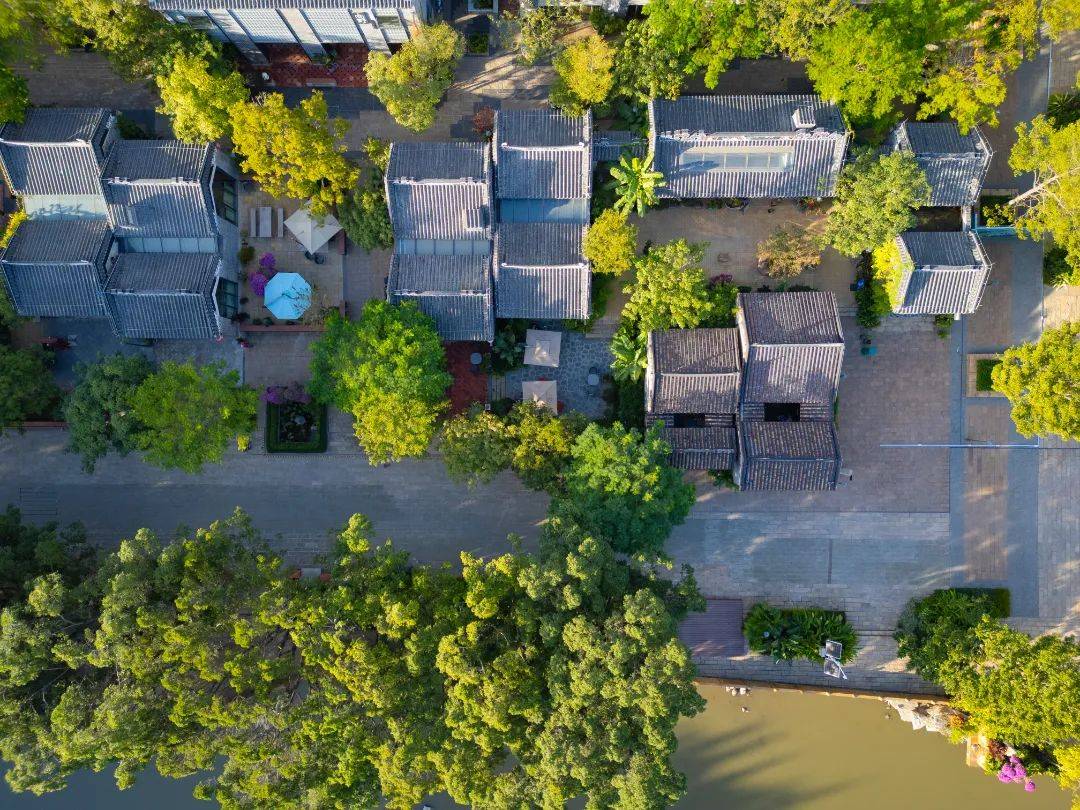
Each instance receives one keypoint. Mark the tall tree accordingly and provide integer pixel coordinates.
(610, 243)
(199, 99)
(100, 412)
(295, 152)
(644, 67)
(863, 64)
(619, 485)
(542, 445)
(388, 369)
(1052, 206)
(876, 200)
(790, 25)
(191, 414)
(411, 82)
(26, 386)
(1042, 382)
(583, 75)
(475, 447)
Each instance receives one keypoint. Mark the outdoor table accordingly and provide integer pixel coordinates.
(265, 225)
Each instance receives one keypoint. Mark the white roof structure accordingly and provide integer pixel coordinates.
(311, 233)
(542, 392)
(542, 348)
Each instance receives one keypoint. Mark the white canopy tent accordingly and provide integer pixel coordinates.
(542, 348)
(310, 232)
(542, 392)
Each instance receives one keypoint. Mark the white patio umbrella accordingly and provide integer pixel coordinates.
(542, 392)
(311, 233)
(542, 348)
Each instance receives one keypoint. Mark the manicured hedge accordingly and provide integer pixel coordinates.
(318, 440)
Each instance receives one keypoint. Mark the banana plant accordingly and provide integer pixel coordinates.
(635, 183)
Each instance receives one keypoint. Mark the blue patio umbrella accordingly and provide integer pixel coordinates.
(288, 296)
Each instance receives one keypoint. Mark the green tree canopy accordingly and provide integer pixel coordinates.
(1052, 206)
(476, 446)
(388, 369)
(876, 199)
(26, 386)
(198, 99)
(610, 244)
(644, 67)
(1042, 382)
(583, 75)
(1018, 689)
(789, 251)
(789, 26)
(542, 444)
(100, 412)
(28, 551)
(190, 414)
(411, 82)
(940, 626)
(619, 485)
(295, 152)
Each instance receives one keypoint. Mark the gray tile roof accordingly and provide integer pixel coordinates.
(943, 273)
(790, 456)
(163, 295)
(609, 145)
(794, 347)
(954, 164)
(55, 267)
(440, 191)
(160, 189)
(540, 271)
(737, 124)
(454, 290)
(692, 371)
(55, 151)
(709, 448)
(542, 154)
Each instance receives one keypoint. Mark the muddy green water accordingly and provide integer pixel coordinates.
(789, 750)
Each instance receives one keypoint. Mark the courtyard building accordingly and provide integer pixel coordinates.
(132, 231)
(939, 273)
(757, 399)
(954, 164)
(733, 146)
(440, 201)
(316, 26)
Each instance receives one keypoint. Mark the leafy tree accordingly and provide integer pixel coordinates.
(364, 216)
(542, 443)
(790, 25)
(14, 95)
(294, 152)
(1042, 382)
(611, 243)
(669, 290)
(584, 75)
(534, 30)
(190, 414)
(411, 82)
(1052, 206)
(707, 34)
(199, 101)
(876, 199)
(28, 552)
(619, 485)
(938, 626)
(1016, 688)
(644, 67)
(26, 386)
(100, 412)
(476, 446)
(635, 184)
(388, 369)
(788, 251)
(863, 64)
(1060, 16)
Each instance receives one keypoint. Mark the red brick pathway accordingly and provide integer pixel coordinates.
(469, 386)
(291, 67)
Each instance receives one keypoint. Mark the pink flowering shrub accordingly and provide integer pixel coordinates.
(258, 282)
(1014, 771)
(268, 264)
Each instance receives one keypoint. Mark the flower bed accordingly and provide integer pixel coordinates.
(294, 423)
(797, 633)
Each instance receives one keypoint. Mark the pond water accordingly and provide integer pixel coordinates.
(789, 750)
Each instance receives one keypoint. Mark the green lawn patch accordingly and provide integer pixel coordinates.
(1000, 599)
(295, 427)
(984, 369)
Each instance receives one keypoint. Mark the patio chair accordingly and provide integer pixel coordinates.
(280, 223)
(254, 229)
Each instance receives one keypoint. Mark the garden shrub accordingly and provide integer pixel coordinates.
(984, 369)
(278, 428)
(943, 326)
(888, 268)
(995, 212)
(1057, 272)
(872, 302)
(790, 634)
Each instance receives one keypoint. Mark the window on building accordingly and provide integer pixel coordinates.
(781, 411)
(228, 298)
(721, 158)
(689, 420)
(225, 196)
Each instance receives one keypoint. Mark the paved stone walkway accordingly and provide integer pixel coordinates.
(578, 355)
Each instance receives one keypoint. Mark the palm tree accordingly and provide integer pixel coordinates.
(635, 183)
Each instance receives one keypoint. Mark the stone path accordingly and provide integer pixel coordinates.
(578, 355)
